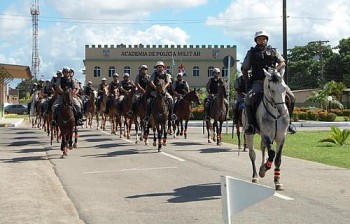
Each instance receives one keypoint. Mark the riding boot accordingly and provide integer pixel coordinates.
(171, 110)
(207, 111)
(132, 109)
(250, 129)
(291, 128)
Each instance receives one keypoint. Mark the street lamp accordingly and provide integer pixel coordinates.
(329, 98)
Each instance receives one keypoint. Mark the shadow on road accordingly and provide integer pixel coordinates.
(191, 193)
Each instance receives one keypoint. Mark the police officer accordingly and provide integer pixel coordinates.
(100, 91)
(62, 83)
(141, 82)
(257, 58)
(160, 73)
(212, 90)
(180, 88)
(112, 91)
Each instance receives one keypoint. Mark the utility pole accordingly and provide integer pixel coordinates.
(320, 58)
(34, 11)
(285, 40)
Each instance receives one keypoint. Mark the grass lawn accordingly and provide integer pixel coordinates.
(305, 145)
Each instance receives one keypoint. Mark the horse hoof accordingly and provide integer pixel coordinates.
(218, 143)
(154, 144)
(159, 149)
(255, 180)
(209, 141)
(279, 187)
(262, 173)
(75, 145)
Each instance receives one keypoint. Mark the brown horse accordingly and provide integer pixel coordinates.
(125, 106)
(101, 110)
(238, 124)
(139, 115)
(218, 113)
(66, 122)
(113, 112)
(90, 109)
(183, 110)
(159, 115)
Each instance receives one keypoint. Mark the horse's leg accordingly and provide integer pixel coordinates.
(182, 128)
(155, 135)
(164, 135)
(97, 120)
(265, 166)
(219, 130)
(215, 126)
(277, 175)
(185, 132)
(159, 133)
(238, 136)
(208, 131)
(252, 156)
(75, 137)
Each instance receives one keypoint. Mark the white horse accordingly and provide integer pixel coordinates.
(272, 119)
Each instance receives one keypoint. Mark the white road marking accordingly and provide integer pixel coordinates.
(172, 156)
(131, 169)
(283, 197)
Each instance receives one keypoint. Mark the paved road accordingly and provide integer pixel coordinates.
(112, 180)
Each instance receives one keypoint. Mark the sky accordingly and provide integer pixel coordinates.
(66, 26)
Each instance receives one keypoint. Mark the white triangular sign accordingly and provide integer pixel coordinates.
(237, 195)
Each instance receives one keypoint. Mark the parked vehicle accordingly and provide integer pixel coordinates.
(16, 109)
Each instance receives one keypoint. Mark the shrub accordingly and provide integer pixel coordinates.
(337, 137)
(325, 116)
(198, 113)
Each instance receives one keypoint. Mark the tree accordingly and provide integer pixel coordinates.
(24, 88)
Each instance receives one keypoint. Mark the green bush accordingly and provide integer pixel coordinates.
(325, 116)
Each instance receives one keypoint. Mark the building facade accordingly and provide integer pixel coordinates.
(195, 61)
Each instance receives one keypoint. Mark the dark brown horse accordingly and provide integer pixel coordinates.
(159, 115)
(125, 106)
(238, 124)
(66, 122)
(218, 113)
(183, 109)
(138, 117)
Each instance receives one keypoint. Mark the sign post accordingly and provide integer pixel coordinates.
(228, 62)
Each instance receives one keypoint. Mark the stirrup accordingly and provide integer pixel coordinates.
(146, 119)
(80, 122)
(130, 113)
(53, 123)
(292, 129)
(173, 117)
(250, 130)
(207, 118)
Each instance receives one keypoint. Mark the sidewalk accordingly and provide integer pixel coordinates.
(10, 122)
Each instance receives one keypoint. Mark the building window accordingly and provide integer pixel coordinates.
(210, 71)
(111, 71)
(195, 71)
(127, 70)
(97, 71)
(224, 71)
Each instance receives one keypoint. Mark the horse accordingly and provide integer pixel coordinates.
(159, 115)
(66, 122)
(238, 124)
(140, 113)
(101, 110)
(113, 111)
(125, 106)
(218, 112)
(183, 110)
(90, 108)
(272, 119)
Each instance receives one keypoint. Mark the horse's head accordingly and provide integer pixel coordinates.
(67, 96)
(160, 86)
(194, 96)
(275, 90)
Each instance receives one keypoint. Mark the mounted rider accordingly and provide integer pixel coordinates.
(180, 89)
(141, 82)
(61, 85)
(257, 58)
(88, 90)
(102, 88)
(212, 90)
(112, 91)
(160, 73)
(125, 87)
